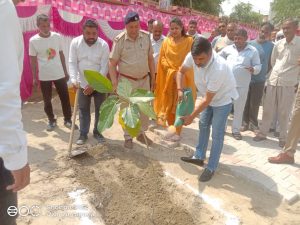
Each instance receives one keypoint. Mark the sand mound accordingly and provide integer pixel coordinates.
(129, 188)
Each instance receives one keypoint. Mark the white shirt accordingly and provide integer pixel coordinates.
(13, 145)
(215, 77)
(156, 45)
(239, 61)
(284, 59)
(222, 42)
(47, 52)
(83, 57)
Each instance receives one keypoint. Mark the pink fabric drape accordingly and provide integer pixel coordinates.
(66, 28)
(26, 81)
(113, 14)
(30, 11)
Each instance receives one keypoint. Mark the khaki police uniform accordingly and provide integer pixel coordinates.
(132, 57)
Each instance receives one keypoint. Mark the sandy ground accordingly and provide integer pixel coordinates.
(110, 185)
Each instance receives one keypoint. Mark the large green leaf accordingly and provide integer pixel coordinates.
(99, 82)
(124, 88)
(133, 132)
(140, 99)
(107, 112)
(131, 115)
(141, 95)
(147, 109)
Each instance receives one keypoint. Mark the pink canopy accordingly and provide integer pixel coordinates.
(67, 17)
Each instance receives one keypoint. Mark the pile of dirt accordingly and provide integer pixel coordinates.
(129, 188)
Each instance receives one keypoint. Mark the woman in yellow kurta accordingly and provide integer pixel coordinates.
(172, 54)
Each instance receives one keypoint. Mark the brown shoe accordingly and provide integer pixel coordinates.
(281, 144)
(259, 137)
(282, 158)
(128, 144)
(141, 139)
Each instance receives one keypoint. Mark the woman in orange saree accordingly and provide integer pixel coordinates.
(172, 54)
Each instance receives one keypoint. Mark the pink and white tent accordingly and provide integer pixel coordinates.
(67, 17)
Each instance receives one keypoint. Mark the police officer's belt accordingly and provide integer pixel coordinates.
(133, 78)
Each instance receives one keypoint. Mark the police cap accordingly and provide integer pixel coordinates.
(131, 17)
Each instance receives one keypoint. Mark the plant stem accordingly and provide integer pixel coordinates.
(145, 140)
(121, 97)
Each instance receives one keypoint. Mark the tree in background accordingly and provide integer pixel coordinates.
(208, 6)
(284, 9)
(243, 12)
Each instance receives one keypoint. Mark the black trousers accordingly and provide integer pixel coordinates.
(62, 90)
(7, 198)
(255, 94)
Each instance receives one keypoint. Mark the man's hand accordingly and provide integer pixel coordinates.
(67, 77)
(88, 90)
(187, 120)
(21, 179)
(180, 95)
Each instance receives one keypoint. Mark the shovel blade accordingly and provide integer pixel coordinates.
(76, 152)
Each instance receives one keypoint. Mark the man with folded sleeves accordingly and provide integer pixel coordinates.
(216, 85)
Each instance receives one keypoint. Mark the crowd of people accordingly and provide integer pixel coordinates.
(265, 71)
(228, 72)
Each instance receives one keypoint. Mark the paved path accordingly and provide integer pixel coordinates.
(248, 159)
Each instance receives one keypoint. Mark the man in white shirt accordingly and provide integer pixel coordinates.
(156, 40)
(14, 168)
(88, 52)
(228, 39)
(192, 29)
(222, 30)
(45, 50)
(245, 62)
(216, 85)
(280, 92)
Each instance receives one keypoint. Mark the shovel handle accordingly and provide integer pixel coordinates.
(73, 122)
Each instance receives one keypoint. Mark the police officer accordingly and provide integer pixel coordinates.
(132, 54)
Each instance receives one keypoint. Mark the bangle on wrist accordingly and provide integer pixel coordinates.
(179, 89)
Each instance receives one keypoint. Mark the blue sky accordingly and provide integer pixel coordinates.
(258, 5)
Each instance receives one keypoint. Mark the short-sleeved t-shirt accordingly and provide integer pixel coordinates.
(47, 52)
(215, 77)
(132, 55)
